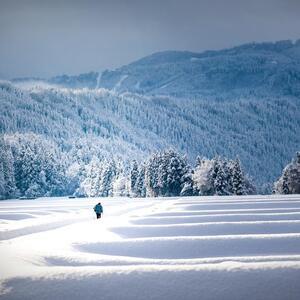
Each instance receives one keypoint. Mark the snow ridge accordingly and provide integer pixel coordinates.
(98, 80)
(119, 83)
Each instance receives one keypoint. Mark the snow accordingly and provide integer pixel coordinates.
(235, 247)
(34, 85)
(98, 80)
(137, 85)
(119, 83)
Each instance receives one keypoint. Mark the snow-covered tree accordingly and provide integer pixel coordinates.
(90, 186)
(177, 171)
(220, 176)
(188, 185)
(38, 166)
(151, 175)
(289, 182)
(165, 173)
(121, 186)
(199, 160)
(140, 187)
(238, 179)
(106, 179)
(37, 162)
(8, 187)
(202, 178)
(134, 173)
(2, 182)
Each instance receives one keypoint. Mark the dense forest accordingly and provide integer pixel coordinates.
(32, 166)
(262, 132)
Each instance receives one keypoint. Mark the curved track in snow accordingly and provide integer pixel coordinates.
(172, 248)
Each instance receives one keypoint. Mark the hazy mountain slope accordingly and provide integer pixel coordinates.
(253, 68)
(262, 132)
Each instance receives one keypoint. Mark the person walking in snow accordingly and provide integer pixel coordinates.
(98, 209)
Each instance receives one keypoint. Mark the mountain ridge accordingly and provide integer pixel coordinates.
(270, 67)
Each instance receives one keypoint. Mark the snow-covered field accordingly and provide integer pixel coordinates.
(171, 248)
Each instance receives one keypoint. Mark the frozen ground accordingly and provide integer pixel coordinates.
(171, 248)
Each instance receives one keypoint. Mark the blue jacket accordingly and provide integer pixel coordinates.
(98, 209)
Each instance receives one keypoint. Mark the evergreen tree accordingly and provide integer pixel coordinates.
(37, 167)
(220, 178)
(285, 187)
(199, 161)
(121, 186)
(187, 186)
(165, 173)
(107, 177)
(134, 172)
(289, 182)
(140, 186)
(91, 184)
(238, 181)
(297, 158)
(2, 181)
(151, 175)
(8, 187)
(203, 182)
(176, 173)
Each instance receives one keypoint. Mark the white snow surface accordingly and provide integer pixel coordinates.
(237, 247)
(98, 80)
(119, 83)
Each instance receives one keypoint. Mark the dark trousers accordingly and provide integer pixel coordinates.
(98, 216)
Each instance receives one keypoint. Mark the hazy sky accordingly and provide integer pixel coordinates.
(45, 38)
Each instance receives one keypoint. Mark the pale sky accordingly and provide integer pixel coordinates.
(46, 38)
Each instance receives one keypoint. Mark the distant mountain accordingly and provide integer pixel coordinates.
(241, 102)
(88, 80)
(262, 68)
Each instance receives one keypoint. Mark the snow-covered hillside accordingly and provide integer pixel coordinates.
(255, 68)
(262, 132)
(191, 248)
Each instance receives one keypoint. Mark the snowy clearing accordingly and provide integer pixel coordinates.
(237, 247)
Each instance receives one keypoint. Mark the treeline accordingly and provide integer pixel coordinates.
(32, 166)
